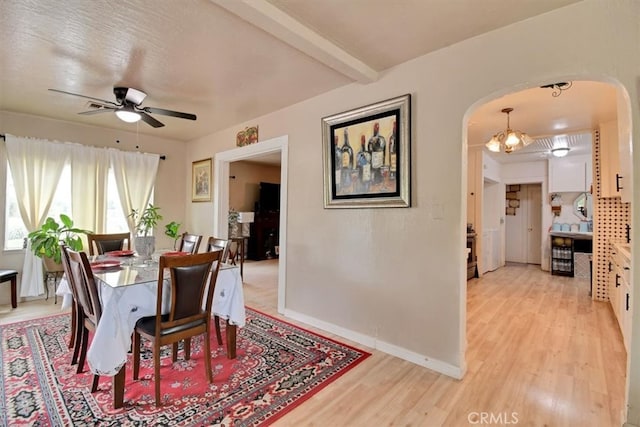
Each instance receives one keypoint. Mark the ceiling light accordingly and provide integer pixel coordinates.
(560, 151)
(127, 114)
(508, 140)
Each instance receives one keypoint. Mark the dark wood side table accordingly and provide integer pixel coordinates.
(11, 276)
(239, 241)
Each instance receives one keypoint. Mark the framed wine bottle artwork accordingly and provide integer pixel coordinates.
(367, 156)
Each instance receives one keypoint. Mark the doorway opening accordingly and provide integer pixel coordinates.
(222, 160)
(523, 223)
(571, 120)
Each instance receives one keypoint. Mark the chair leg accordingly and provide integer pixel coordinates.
(231, 340)
(77, 334)
(156, 369)
(136, 355)
(72, 338)
(14, 293)
(216, 320)
(174, 352)
(207, 355)
(187, 348)
(94, 383)
(83, 350)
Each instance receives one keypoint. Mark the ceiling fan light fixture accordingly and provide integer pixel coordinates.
(560, 151)
(127, 114)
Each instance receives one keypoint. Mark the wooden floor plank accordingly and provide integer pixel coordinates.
(538, 347)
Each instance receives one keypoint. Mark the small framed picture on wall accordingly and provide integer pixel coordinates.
(201, 181)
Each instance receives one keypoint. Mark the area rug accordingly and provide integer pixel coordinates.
(278, 366)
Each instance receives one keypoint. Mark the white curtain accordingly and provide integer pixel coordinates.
(36, 166)
(89, 174)
(135, 175)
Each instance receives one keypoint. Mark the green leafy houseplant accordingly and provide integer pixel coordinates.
(45, 241)
(147, 220)
(173, 230)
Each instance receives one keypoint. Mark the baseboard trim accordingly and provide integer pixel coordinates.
(456, 372)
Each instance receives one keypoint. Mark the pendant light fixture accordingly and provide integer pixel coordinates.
(508, 140)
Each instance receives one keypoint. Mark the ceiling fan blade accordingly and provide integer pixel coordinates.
(150, 120)
(164, 112)
(98, 111)
(85, 96)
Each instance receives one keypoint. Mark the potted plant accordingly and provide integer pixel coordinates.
(45, 241)
(145, 222)
(233, 223)
(173, 230)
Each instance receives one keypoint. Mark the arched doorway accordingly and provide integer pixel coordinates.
(589, 115)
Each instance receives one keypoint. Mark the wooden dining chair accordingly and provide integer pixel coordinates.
(193, 280)
(108, 242)
(216, 244)
(190, 243)
(224, 245)
(88, 304)
(74, 340)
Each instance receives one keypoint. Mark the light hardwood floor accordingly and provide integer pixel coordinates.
(540, 353)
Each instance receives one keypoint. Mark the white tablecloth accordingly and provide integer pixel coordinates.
(123, 306)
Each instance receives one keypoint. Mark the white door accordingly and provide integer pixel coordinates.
(534, 226)
(523, 240)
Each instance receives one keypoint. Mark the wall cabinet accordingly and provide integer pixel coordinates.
(615, 169)
(609, 160)
(570, 174)
(620, 290)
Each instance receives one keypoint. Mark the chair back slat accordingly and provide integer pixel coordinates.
(85, 285)
(193, 279)
(103, 243)
(216, 244)
(190, 243)
(67, 271)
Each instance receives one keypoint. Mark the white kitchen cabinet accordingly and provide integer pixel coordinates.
(615, 161)
(609, 160)
(624, 156)
(570, 174)
(620, 289)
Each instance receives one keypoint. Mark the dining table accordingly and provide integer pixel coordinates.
(127, 287)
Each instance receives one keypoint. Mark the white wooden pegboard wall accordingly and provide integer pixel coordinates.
(609, 220)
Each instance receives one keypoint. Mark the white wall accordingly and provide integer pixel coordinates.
(244, 187)
(393, 275)
(492, 170)
(493, 229)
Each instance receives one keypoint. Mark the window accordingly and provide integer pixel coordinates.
(61, 203)
(116, 221)
(15, 231)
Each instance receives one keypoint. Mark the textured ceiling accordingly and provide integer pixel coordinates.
(200, 57)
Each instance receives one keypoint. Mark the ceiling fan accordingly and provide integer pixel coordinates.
(128, 107)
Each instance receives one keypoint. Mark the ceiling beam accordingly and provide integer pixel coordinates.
(274, 21)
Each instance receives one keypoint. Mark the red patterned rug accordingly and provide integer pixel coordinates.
(278, 366)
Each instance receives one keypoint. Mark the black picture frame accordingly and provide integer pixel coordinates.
(367, 156)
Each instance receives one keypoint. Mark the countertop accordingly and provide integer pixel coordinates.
(573, 235)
